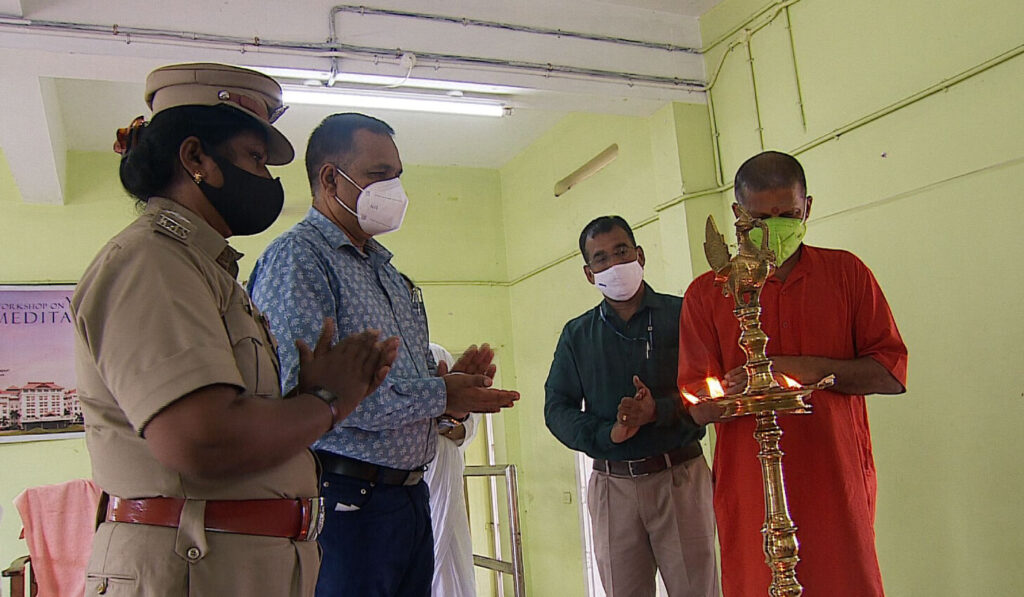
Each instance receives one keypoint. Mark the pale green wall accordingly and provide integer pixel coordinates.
(928, 196)
(26, 465)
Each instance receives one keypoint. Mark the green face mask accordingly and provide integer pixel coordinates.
(784, 236)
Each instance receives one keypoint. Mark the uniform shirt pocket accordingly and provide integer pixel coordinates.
(253, 354)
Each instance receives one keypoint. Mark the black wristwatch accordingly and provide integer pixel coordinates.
(329, 398)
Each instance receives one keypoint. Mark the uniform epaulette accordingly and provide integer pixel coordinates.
(173, 225)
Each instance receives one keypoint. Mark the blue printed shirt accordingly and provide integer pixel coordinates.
(313, 271)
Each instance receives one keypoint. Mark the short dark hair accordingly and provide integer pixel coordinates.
(766, 171)
(600, 226)
(148, 167)
(333, 137)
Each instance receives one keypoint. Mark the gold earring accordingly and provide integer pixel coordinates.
(197, 177)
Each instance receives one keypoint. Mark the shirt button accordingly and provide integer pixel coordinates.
(327, 483)
(362, 491)
(785, 324)
(193, 553)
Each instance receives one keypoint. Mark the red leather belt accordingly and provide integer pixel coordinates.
(299, 519)
(649, 465)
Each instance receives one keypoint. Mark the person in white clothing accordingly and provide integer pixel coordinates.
(453, 548)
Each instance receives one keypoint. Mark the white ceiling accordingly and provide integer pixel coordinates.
(690, 8)
(70, 89)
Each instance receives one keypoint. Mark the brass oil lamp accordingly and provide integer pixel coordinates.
(742, 277)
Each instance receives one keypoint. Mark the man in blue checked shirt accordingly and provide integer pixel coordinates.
(377, 539)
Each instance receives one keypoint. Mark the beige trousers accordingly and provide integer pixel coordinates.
(663, 521)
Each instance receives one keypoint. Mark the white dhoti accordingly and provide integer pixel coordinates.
(453, 548)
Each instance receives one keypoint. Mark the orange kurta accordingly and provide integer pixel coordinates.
(829, 306)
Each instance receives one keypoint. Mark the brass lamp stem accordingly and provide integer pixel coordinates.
(780, 542)
(753, 341)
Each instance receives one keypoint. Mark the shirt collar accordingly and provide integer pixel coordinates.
(803, 266)
(200, 234)
(652, 300)
(337, 238)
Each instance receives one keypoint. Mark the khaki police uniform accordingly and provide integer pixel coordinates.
(160, 314)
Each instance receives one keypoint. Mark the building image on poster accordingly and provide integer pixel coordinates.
(38, 395)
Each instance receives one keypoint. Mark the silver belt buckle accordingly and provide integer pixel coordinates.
(629, 466)
(316, 519)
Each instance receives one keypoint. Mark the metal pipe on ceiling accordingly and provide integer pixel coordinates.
(336, 50)
(560, 33)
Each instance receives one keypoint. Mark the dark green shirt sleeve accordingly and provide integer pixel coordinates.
(671, 412)
(563, 401)
(666, 410)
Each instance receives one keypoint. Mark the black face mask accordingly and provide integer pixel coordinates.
(248, 203)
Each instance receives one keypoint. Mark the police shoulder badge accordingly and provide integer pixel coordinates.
(174, 225)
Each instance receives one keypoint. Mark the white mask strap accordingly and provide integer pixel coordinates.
(342, 172)
(347, 208)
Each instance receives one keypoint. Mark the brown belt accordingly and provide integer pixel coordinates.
(298, 519)
(649, 465)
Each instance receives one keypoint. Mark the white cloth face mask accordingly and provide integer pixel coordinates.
(380, 207)
(620, 282)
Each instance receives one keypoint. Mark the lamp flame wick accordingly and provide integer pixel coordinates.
(715, 387)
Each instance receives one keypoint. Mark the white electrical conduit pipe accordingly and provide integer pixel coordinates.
(467, 22)
(332, 50)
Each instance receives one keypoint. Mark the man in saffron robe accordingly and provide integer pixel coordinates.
(824, 314)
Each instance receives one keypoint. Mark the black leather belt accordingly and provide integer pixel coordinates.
(649, 465)
(350, 467)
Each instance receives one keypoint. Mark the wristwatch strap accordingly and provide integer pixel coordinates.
(330, 399)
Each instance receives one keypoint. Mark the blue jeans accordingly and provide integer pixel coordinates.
(376, 539)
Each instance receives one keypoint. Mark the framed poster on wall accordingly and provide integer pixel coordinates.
(38, 393)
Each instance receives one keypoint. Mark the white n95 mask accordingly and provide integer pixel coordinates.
(380, 207)
(620, 282)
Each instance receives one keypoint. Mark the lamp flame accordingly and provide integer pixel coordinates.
(715, 387)
(689, 397)
(790, 382)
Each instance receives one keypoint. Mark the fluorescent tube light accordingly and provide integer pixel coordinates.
(383, 80)
(390, 101)
(293, 73)
(427, 84)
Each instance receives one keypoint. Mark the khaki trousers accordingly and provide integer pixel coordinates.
(661, 521)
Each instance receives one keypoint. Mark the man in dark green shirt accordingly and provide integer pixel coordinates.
(612, 394)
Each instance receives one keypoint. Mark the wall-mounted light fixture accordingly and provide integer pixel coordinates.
(592, 167)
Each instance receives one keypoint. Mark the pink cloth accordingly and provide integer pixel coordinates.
(59, 521)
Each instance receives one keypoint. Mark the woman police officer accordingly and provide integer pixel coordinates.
(209, 488)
